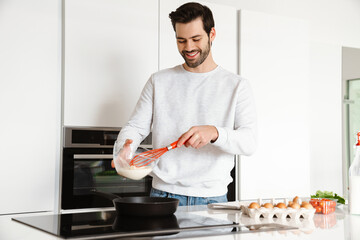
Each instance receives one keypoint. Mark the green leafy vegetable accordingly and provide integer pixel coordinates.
(328, 195)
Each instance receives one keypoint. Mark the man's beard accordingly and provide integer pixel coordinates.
(203, 55)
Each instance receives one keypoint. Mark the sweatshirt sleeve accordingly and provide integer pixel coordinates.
(242, 139)
(139, 125)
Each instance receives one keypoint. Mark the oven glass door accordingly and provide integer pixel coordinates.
(86, 170)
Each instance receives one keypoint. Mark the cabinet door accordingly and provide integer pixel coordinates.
(29, 105)
(274, 57)
(111, 49)
(224, 47)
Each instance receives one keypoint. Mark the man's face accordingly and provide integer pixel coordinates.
(193, 42)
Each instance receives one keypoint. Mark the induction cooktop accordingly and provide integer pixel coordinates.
(106, 224)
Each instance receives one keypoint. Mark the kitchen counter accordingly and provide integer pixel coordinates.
(337, 225)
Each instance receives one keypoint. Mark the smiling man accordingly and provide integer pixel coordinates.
(194, 45)
(208, 109)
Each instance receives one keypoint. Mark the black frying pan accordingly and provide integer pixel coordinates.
(142, 206)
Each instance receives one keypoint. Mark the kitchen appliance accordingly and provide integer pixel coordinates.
(107, 224)
(86, 166)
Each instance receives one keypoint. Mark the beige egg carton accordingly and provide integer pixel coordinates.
(280, 213)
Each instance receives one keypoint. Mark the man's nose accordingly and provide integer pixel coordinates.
(189, 46)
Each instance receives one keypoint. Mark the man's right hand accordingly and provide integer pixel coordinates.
(124, 154)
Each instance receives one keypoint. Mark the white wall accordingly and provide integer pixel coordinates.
(274, 57)
(325, 117)
(336, 22)
(332, 24)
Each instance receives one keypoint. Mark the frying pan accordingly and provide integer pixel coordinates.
(141, 206)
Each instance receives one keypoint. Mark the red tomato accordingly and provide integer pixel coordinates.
(314, 202)
(318, 209)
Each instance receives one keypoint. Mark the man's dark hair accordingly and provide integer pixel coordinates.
(189, 12)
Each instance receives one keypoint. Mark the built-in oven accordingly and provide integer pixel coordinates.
(87, 156)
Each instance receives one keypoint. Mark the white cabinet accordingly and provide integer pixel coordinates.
(274, 57)
(111, 49)
(29, 105)
(224, 47)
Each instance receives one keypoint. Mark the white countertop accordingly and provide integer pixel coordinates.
(337, 225)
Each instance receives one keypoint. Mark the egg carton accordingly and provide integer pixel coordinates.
(280, 213)
(304, 225)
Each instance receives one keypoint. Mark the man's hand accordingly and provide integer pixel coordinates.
(198, 136)
(124, 153)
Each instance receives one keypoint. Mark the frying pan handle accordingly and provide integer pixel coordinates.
(109, 196)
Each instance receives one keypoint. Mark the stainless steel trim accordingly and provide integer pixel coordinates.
(169, 147)
(93, 156)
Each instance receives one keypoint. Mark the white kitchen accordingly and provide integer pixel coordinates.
(73, 69)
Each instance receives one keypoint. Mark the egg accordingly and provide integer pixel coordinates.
(296, 199)
(295, 205)
(268, 205)
(306, 205)
(281, 205)
(304, 202)
(254, 205)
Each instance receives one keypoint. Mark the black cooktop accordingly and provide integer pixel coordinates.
(106, 224)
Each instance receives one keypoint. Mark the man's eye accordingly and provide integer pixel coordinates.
(196, 40)
(181, 41)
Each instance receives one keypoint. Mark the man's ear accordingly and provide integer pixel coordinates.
(212, 34)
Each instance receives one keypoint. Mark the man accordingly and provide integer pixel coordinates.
(206, 108)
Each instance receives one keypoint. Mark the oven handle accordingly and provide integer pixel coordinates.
(93, 156)
(104, 156)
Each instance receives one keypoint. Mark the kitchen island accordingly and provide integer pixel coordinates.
(337, 225)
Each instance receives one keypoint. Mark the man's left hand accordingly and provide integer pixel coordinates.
(198, 136)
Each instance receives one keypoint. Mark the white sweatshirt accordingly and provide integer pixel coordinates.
(172, 101)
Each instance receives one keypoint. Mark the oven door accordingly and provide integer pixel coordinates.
(88, 169)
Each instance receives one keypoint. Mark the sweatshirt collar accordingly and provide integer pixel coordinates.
(200, 74)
